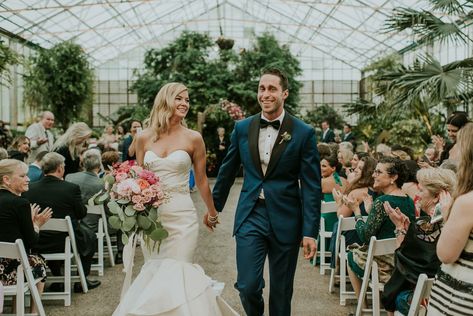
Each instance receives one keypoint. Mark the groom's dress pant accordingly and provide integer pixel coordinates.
(254, 241)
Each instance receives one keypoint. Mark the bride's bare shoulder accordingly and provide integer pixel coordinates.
(194, 135)
(146, 134)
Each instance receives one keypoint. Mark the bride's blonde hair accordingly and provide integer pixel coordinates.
(163, 108)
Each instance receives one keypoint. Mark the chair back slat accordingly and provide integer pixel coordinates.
(94, 209)
(328, 207)
(384, 247)
(9, 250)
(55, 224)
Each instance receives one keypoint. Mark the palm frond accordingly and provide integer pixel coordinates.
(452, 7)
(429, 81)
(425, 25)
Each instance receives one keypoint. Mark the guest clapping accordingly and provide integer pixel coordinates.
(66, 200)
(19, 220)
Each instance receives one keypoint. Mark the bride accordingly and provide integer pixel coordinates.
(169, 284)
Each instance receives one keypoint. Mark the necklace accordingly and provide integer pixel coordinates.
(390, 192)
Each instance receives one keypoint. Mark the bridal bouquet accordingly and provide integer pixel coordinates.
(134, 195)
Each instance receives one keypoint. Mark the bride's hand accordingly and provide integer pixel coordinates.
(211, 220)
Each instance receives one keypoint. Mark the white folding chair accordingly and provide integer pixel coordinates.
(64, 225)
(344, 224)
(101, 233)
(376, 248)
(326, 208)
(421, 292)
(17, 251)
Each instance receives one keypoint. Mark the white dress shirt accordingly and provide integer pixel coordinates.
(266, 141)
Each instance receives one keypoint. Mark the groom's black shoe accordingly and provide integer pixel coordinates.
(91, 284)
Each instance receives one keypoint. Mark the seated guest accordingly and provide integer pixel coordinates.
(72, 144)
(89, 183)
(418, 240)
(389, 176)
(20, 148)
(65, 200)
(109, 158)
(452, 292)
(330, 181)
(3, 153)
(35, 172)
(359, 189)
(19, 220)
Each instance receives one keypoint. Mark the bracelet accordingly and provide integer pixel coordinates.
(358, 217)
(400, 231)
(212, 219)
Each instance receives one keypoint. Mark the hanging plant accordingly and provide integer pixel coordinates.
(225, 43)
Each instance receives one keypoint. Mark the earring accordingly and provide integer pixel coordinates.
(392, 182)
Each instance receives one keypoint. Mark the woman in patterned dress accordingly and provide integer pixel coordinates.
(19, 220)
(452, 293)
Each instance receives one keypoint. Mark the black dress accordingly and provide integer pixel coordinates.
(72, 165)
(16, 223)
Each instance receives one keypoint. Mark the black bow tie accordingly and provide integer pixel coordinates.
(275, 124)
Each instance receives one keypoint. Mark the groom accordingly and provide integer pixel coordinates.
(279, 203)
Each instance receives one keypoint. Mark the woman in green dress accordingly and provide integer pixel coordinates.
(389, 176)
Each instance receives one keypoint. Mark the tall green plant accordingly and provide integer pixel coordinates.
(186, 60)
(7, 58)
(60, 79)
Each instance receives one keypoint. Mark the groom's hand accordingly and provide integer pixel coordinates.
(310, 247)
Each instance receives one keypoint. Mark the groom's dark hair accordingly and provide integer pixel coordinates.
(279, 73)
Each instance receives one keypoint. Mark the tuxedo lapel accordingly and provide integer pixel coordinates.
(280, 144)
(253, 137)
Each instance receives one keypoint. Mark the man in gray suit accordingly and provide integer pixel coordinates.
(40, 137)
(89, 183)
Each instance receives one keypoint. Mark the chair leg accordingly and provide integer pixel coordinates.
(322, 255)
(20, 294)
(67, 274)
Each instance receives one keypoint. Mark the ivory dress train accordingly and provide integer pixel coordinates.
(169, 284)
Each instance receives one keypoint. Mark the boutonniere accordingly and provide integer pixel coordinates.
(285, 137)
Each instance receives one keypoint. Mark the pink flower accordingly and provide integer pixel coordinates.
(127, 186)
(137, 199)
(120, 176)
(160, 195)
(148, 193)
(137, 169)
(139, 207)
(146, 199)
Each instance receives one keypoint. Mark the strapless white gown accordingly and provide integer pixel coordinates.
(169, 284)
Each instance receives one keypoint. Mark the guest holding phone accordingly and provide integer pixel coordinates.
(128, 152)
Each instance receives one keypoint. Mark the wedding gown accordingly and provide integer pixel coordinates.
(169, 284)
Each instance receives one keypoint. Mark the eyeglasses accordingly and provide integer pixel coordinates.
(377, 172)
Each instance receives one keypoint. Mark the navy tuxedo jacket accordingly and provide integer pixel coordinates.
(292, 183)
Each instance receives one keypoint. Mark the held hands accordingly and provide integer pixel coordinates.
(309, 246)
(399, 219)
(38, 217)
(211, 220)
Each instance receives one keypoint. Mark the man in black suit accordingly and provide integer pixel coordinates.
(64, 199)
(328, 136)
(348, 135)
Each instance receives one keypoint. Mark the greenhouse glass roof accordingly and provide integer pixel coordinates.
(322, 33)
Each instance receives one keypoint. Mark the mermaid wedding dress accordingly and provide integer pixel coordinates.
(169, 284)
